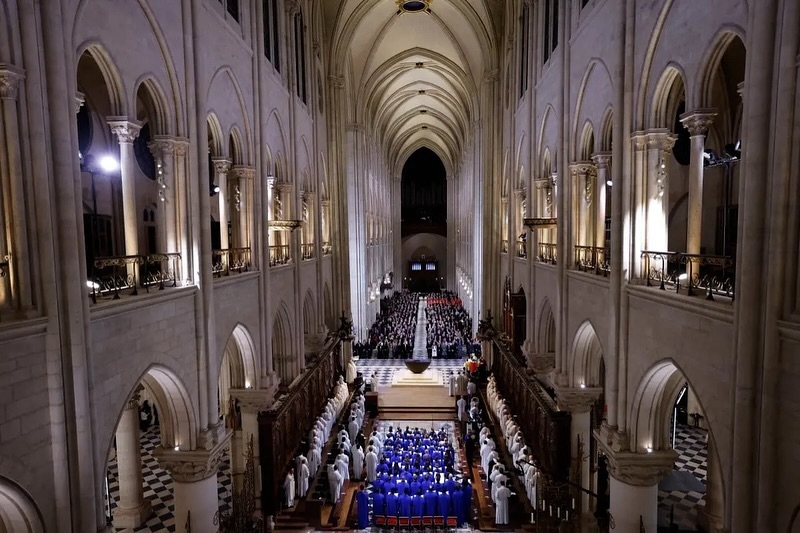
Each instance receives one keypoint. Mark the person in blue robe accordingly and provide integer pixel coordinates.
(391, 503)
(414, 485)
(418, 504)
(378, 503)
(450, 485)
(466, 497)
(362, 505)
(457, 504)
(431, 499)
(405, 504)
(444, 504)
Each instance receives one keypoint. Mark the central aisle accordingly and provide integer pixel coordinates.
(421, 333)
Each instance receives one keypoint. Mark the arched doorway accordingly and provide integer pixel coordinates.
(18, 513)
(282, 354)
(157, 415)
(667, 415)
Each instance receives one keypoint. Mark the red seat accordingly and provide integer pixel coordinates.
(427, 520)
(380, 520)
(438, 520)
(403, 521)
(452, 521)
(416, 521)
(391, 521)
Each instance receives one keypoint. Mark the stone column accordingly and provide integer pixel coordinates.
(601, 161)
(12, 186)
(504, 223)
(519, 199)
(251, 402)
(194, 484)
(326, 221)
(579, 402)
(710, 517)
(182, 211)
(133, 510)
(659, 144)
(221, 167)
(243, 204)
(639, 202)
(697, 122)
(585, 191)
(163, 150)
(126, 132)
(633, 483)
(286, 191)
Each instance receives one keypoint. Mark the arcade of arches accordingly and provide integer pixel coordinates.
(210, 212)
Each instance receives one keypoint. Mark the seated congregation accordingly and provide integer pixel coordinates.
(392, 334)
(449, 327)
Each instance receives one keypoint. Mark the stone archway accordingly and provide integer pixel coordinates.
(283, 356)
(18, 512)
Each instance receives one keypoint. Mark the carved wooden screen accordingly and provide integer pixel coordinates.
(547, 430)
(286, 424)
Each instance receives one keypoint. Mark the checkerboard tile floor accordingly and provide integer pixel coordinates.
(158, 487)
(681, 507)
(386, 368)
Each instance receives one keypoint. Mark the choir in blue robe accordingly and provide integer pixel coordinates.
(362, 504)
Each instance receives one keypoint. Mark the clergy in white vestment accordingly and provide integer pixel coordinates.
(358, 462)
(462, 409)
(434, 352)
(335, 483)
(297, 462)
(501, 504)
(373, 382)
(302, 475)
(351, 372)
(461, 383)
(288, 489)
(472, 388)
(314, 459)
(353, 428)
(371, 461)
(451, 384)
(342, 462)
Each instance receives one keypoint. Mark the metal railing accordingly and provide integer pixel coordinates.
(592, 259)
(711, 274)
(522, 249)
(327, 249)
(230, 260)
(547, 253)
(279, 255)
(113, 276)
(504, 246)
(307, 251)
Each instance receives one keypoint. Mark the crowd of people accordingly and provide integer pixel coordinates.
(414, 473)
(392, 334)
(449, 330)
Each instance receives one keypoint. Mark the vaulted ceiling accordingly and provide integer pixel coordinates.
(415, 76)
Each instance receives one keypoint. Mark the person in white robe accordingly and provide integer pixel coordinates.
(351, 372)
(451, 384)
(501, 504)
(434, 352)
(461, 383)
(288, 489)
(472, 388)
(335, 482)
(297, 462)
(342, 462)
(371, 461)
(303, 474)
(358, 463)
(314, 459)
(462, 409)
(373, 382)
(353, 428)
(486, 448)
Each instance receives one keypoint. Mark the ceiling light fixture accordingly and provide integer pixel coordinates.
(413, 6)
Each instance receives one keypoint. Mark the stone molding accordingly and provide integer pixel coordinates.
(519, 194)
(577, 400)
(601, 159)
(698, 121)
(641, 469)
(639, 139)
(10, 77)
(243, 172)
(80, 99)
(582, 168)
(195, 465)
(125, 130)
(284, 187)
(221, 164)
(336, 82)
(254, 400)
(660, 139)
(542, 363)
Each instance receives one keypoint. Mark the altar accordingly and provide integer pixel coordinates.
(406, 378)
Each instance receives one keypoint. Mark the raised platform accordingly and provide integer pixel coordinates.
(404, 377)
(421, 402)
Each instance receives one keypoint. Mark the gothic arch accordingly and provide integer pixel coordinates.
(215, 135)
(669, 91)
(581, 113)
(327, 305)
(309, 313)
(155, 105)
(548, 111)
(242, 352)
(606, 131)
(18, 512)
(282, 353)
(587, 142)
(235, 147)
(117, 103)
(712, 60)
(246, 144)
(546, 328)
(587, 357)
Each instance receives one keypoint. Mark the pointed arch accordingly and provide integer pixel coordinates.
(546, 328)
(215, 136)
(548, 110)
(235, 148)
(712, 61)
(244, 363)
(274, 134)
(586, 142)
(669, 92)
(606, 130)
(118, 104)
(587, 357)
(18, 512)
(579, 112)
(155, 104)
(243, 112)
(309, 313)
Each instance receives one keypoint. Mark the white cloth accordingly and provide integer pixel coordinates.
(501, 505)
(353, 427)
(462, 409)
(371, 460)
(342, 463)
(351, 371)
(288, 488)
(358, 462)
(472, 389)
(451, 386)
(302, 475)
(335, 483)
(461, 384)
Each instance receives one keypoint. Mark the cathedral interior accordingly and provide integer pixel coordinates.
(478, 230)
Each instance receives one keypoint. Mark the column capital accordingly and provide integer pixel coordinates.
(254, 400)
(80, 99)
(162, 146)
(194, 465)
(221, 164)
(133, 401)
(504, 200)
(601, 159)
(519, 194)
(336, 82)
(325, 202)
(490, 76)
(126, 130)
(10, 77)
(698, 121)
(284, 186)
(243, 172)
(308, 196)
(582, 168)
(639, 139)
(660, 139)
(577, 400)
(640, 469)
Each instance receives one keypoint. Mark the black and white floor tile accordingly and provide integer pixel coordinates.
(681, 507)
(158, 487)
(386, 368)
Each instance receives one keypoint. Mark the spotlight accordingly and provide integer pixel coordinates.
(734, 150)
(609, 183)
(214, 189)
(108, 164)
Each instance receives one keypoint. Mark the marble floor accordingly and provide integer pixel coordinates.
(681, 507)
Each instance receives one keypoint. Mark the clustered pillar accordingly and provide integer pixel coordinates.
(132, 509)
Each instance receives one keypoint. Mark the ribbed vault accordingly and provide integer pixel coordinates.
(415, 77)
